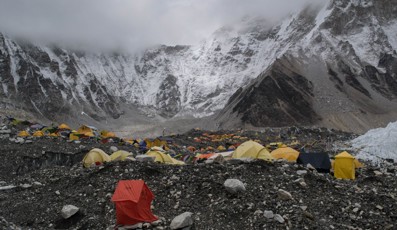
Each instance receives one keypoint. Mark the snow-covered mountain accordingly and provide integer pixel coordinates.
(337, 61)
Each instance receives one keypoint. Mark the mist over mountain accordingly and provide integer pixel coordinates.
(331, 64)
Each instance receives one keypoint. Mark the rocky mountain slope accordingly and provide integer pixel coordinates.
(338, 71)
(337, 61)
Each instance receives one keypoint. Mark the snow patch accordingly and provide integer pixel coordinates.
(377, 144)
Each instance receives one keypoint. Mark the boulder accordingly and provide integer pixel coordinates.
(113, 148)
(234, 186)
(284, 195)
(68, 211)
(183, 220)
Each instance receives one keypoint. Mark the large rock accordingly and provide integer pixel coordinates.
(234, 186)
(284, 195)
(183, 220)
(68, 211)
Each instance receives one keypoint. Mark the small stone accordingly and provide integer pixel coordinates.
(147, 225)
(301, 172)
(308, 215)
(284, 195)
(355, 210)
(379, 207)
(26, 186)
(234, 186)
(156, 223)
(113, 148)
(378, 173)
(57, 192)
(309, 166)
(183, 220)
(37, 183)
(268, 214)
(279, 218)
(258, 212)
(303, 208)
(68, 211)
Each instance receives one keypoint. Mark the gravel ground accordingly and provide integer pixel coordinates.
(48, 174)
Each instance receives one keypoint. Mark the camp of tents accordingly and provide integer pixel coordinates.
(209, 147)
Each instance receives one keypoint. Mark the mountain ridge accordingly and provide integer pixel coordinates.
(352, 42)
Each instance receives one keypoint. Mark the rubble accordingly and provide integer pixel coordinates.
(317, 200)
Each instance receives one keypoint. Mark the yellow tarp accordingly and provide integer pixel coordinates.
(344, 167)
(251, 149)
(286, 153)
(38, 134)
(64, 126)
(162, 157)
(23, 134)
(94, 157)
(121, 155)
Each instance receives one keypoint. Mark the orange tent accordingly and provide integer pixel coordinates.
(205, 156)
(132, 199)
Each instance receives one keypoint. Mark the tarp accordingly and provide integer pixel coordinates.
(121, 155)
(344, 167)
(162, 157)
(94, 157)
(286, 153)
(320, 161)
(252, 149)
(133, 199)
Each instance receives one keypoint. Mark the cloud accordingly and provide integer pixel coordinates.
(131, 24)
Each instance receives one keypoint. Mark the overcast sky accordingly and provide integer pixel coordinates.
(131, 24)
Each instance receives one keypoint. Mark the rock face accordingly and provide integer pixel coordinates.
(332, 64)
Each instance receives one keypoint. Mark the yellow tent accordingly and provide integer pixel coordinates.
(286, 153)
(121, 155)
(53, 135)
(358, 164)
(221, 148)
(84, 129)
(73, 137)
(23, 134)
(38, 134)
(344, 167)
(251, 149)
(107, 134)
(64, 126)
(162, 157)
(95, 156)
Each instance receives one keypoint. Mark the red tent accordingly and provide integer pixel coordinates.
(133, 199)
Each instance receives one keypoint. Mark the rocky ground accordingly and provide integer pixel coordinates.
(47, 174)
